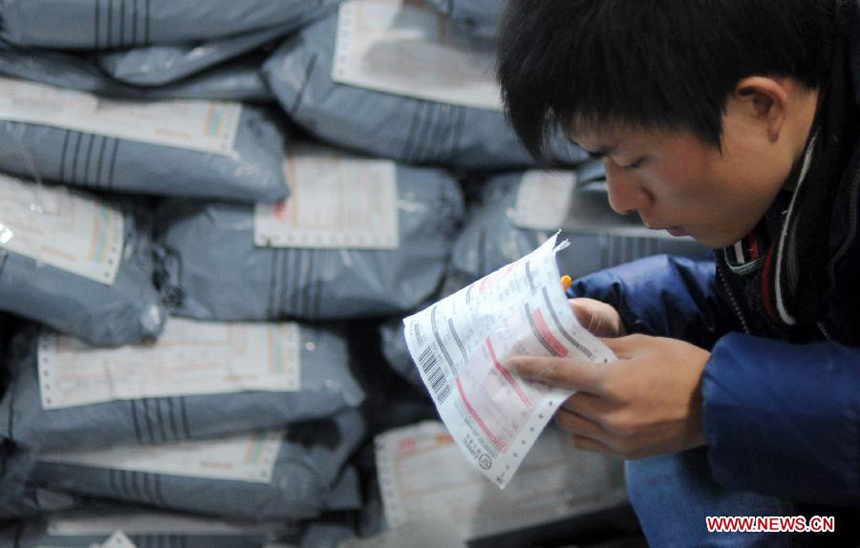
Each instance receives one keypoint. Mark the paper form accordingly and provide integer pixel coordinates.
(543, 199)
(203, 126)
(55, 226)
(247, 457)
(336, 201)
(190, 357)
(407, 48)
(461, 343)
(423, 473)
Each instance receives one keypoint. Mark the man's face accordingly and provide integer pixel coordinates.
(675, 181)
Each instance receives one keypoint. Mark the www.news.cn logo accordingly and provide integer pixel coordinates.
(770, 524)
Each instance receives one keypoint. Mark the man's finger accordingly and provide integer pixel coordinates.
(625, 348)
(577, 424)
(582, 312)
(589, 444)
(558, 372)
(593, 407)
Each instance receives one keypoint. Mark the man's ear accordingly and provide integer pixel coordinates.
(765, 101)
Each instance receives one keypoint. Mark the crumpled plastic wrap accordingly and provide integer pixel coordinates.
(235, 80)
(411, 130)
(211, 269)
(125, 312)
(166, 64)
(396, 352)
(111, 24)
(20, 498)
(107, 163)
(491, 239)
(306, 471)
(327, 387)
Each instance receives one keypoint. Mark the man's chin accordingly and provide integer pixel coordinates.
(715, 242)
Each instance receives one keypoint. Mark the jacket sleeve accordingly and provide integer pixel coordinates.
(784, 419)
(664, 296)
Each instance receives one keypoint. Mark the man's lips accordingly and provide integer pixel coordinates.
(677, 232)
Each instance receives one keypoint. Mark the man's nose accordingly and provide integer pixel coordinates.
(626, 194)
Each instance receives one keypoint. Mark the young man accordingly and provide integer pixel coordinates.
(737, 386)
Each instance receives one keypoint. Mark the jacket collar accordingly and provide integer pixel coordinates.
(786, 285)
(851, 24)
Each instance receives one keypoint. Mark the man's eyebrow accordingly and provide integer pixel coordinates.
(599, 153)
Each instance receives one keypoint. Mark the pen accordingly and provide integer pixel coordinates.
(566, 282)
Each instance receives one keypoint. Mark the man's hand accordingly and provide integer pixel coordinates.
(599, 318)
(648, 402)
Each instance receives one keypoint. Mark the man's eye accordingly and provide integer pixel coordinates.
(635, 165)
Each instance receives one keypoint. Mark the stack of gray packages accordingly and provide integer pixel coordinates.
(187, 72)
(84, 532)
(162, 49)
(108, 24)
(106, 398)
(327, 387)
(307, 475)
(201, 149)
(108, 524)
(200, 380)
(391, 120)
(93, 281)
(215, 270)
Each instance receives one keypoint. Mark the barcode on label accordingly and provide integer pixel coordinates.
(433, 373)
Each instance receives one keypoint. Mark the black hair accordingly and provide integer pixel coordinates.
(669, 64)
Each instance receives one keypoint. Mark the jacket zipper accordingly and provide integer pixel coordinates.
(737, 309)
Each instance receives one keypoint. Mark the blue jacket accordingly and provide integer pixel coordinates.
(781, 393)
